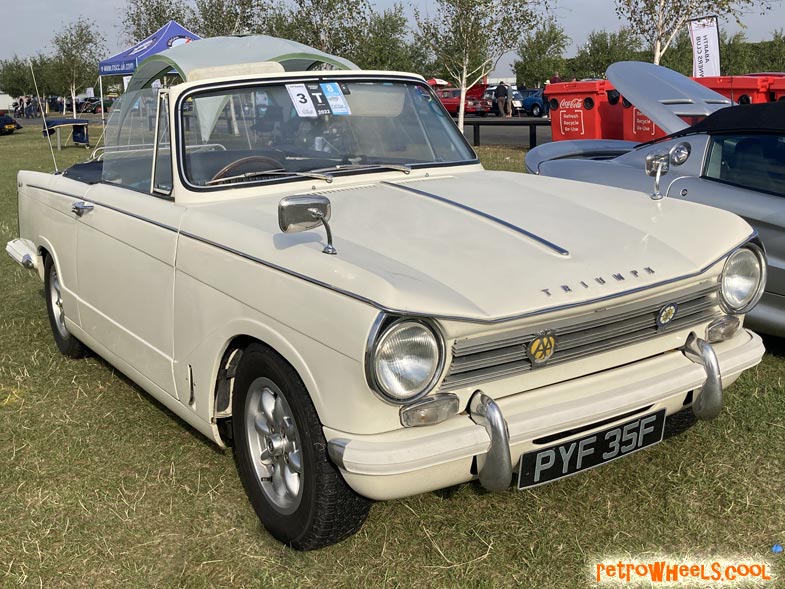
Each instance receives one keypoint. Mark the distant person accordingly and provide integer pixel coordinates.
(555, 78)
(500, 94)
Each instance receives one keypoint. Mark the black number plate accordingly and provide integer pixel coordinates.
(563, 460)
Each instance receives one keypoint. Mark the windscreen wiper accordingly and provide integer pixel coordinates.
(276, 172)
(406, 169)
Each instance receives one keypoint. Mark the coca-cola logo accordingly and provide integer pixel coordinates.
(574, 103)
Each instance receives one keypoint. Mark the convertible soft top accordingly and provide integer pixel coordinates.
(767, 117)
(217, 52)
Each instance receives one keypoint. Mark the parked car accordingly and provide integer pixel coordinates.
(534, 103)
(733, 159)
(475, 104)
(517, 101)
(8, 125)
(94, 105)
(346, 297)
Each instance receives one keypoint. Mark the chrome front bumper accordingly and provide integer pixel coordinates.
(22, 252)
(415, 460)
(495, 473)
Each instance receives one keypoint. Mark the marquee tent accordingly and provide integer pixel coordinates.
(125, 63)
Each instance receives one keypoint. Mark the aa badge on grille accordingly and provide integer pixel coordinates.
(666, 314)
(541, 347)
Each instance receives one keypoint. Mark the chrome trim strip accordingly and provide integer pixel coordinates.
(335, 450)
(541, 240)
(401, 312)
(111, 208)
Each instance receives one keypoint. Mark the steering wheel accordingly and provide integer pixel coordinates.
(251, 159)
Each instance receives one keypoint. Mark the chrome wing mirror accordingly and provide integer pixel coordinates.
(303, 213)
(657, 164)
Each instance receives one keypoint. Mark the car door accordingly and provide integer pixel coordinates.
(125, 267)
(126, 244)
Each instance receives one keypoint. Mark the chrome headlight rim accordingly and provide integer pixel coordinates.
(757, 250)
(381, 327)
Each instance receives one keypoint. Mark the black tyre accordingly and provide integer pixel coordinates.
(281, 456)
(536, 110)
(66, 342)
(680, 422)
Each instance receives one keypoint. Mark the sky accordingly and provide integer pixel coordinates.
(35, 22)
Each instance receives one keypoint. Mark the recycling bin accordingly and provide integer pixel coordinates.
(741, 89)
(584, 110)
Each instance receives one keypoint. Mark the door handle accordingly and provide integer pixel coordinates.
(80, 208)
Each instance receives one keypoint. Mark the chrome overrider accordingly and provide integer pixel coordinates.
(709, 402)
(496, 473)
(495, 467)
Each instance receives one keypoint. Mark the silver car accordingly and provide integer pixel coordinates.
(733, 159)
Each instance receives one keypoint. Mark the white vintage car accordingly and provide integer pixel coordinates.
(309, 264)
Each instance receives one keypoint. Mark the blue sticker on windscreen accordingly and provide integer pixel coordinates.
(335, 98)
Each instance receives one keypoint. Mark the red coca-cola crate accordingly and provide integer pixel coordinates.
(777, 88)
(741, 89)
(638, 127)
(584, 110)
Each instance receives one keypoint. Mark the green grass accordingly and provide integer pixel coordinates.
(102, 487)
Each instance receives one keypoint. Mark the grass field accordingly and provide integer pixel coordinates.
(100, 486)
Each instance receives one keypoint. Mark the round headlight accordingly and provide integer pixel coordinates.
(743, 279)
(406, 361)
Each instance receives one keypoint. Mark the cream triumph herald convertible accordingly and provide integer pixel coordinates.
(307, 262)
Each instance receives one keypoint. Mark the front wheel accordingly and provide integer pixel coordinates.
(66, 342)
(281, 456)
(536, 110)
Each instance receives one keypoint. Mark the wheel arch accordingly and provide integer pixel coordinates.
(230, 356)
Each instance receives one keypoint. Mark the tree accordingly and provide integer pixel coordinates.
(144, 17)
(469, 37)
(541, 53)
(78, 49)
(213, 18)
(601, 50)
(679, 56)
(659, 21)
(337, 27)
(15, 78)
(388, 45)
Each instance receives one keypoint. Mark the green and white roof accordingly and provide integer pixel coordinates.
(233, 55)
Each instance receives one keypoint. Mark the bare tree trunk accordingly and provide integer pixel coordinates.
(73, 100)
(462, 103)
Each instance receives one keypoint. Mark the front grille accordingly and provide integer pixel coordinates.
(477, 360)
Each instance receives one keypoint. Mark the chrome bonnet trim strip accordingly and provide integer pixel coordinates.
(541, 240)
(436, 316)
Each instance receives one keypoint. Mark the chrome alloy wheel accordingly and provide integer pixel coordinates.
(57, 301)
(274, 444)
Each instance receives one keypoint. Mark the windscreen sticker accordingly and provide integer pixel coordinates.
(301, 99)
(335, 98)
(311, 100)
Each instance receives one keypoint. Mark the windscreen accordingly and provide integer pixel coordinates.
(271, 132)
